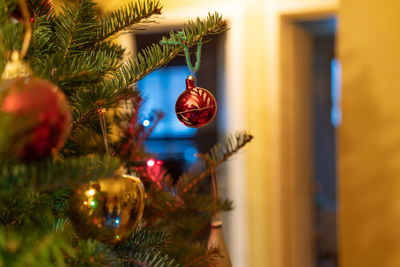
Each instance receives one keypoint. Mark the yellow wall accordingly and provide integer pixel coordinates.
(167, 5)
(370, 136)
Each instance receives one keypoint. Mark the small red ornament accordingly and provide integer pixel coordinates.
(44, 112)
(195, 107)
(46, 6)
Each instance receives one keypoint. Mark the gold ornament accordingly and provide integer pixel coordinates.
(109, 209)
(16, 68)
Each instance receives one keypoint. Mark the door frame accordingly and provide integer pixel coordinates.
(288, 249)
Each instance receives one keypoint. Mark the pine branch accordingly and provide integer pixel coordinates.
(11, 35)
(87, 67)
(49, 250)
(43, 37)
(20, 211)
(145, 248)
(203, 203)
(119, 86)
(42, 8)
(47, 175)
(141, 241)
(150, 259)
(154, 57)
(76, 26)
(206, 259)
(125, 17)
(197, 254)
(92, 253)
(211, 160)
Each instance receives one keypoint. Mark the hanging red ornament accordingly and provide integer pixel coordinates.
(195, 107)
(44, 112)
(17, 12)
(45, 5)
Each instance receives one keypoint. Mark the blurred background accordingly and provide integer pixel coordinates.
(317, 83)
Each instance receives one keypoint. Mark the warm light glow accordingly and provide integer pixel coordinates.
(150, 163)
(101, 110)
(90, 192)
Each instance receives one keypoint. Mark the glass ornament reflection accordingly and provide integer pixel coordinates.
(109, 209)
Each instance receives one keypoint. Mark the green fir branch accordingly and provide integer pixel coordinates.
(141, 241)
(43, 38)
(87, 67)
(150, 259)
(76, 26)
(48, 250)
(92, 253)
(211, 160)
(119, 86)
(155, 56)
(11, 35)
(207, 258)
(145, 247)
(42, 8)
(127, 16)
(47, 175)
(203, 203)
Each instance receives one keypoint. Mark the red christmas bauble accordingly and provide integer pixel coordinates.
(43, 110)
(195, 107)
(17, 13)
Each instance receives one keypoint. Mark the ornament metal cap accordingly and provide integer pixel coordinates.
(16, 68)
(191, 77)
(190, 82)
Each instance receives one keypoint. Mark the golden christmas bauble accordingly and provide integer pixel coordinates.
(109, 209)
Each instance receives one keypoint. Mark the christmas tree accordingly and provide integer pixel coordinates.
(69, 192)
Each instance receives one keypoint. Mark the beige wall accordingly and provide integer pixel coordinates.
(370, 136)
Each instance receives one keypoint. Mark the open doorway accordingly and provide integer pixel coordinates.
(310, 116)
(326, 118)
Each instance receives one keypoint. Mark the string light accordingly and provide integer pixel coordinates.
(90, 192)
(150, 163)
(146, 123)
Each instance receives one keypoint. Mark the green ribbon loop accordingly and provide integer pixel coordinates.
(186, 50)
